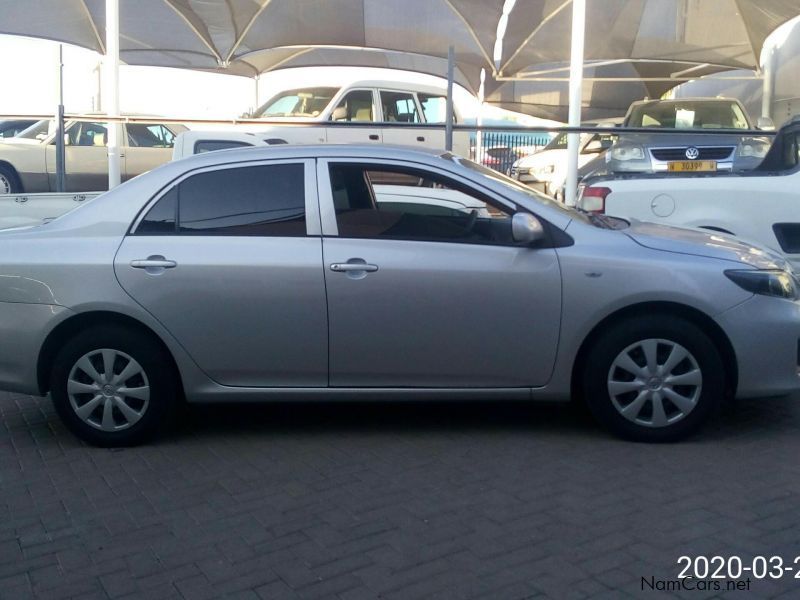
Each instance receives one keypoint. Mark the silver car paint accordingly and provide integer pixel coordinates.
(52, 272)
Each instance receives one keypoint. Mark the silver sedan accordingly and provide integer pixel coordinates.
(349, 272)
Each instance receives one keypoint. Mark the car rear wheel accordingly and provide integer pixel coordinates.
(653, 379)
(9, 182)
(113, 386)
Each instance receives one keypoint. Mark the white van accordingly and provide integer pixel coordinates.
(368, 104)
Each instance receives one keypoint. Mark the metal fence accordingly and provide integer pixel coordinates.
(499, 149)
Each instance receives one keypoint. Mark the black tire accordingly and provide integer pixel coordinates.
(7, 174)
(620, 336)
(158, 372)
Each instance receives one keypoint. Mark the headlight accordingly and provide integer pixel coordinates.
(626, 152)
(544, 169)
(780, 284)
(753, 147)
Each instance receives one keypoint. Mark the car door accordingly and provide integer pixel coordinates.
(147, 146)
(86, 158)
(420, 297)
(356, 108)
(401, 108)
(229, 260)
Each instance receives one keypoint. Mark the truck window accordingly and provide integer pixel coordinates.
(433, 107)
(355, 106)
(399, 107)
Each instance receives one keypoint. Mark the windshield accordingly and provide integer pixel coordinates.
(38, 131)
(688, 114)
(306, 102)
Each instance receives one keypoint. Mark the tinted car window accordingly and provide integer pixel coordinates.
(161, 218)
(407, 204)
(265, 200)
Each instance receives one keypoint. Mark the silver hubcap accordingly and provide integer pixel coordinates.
(5, 184)
(108, 389)
(654, 382)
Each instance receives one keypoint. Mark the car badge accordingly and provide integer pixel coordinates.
(692, 153)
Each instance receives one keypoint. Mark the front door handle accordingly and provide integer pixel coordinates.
(374, 136)
(353, 266)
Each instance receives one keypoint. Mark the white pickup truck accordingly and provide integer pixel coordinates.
(762, 205)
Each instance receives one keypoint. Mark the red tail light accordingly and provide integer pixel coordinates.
(593, 199)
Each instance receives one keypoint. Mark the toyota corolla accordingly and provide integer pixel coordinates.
(286, 273)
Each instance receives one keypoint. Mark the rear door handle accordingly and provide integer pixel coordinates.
(345, 267)
(154, 264)
(373, 136)
(420, 138)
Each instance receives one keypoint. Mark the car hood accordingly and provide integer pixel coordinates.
(701, 243)
(542, 158)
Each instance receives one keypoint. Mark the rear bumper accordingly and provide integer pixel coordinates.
(23, 329)
(764, 333)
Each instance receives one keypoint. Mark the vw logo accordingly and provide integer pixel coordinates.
(692, 153)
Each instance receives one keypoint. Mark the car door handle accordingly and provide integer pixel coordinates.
(373, 136)
(353, 266)
(153, 262)
(420, 138)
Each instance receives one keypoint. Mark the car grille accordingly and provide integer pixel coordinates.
(706, 153)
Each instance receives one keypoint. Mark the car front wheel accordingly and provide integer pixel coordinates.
(653, 379)
(113, 386)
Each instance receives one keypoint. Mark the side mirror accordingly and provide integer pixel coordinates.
(66, 139)
(765, 124)
(339, 114)
(526, 229)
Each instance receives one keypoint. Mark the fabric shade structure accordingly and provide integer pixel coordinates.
(608, 89)
(709, 34)
(248, 37)
(667, 39)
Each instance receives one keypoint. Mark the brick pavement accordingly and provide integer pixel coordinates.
(397, 501)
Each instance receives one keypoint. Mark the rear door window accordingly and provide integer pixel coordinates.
(263, 200)
(399, 107)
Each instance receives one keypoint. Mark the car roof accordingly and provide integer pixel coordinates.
(277, 151)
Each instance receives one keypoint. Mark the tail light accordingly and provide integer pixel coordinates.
(593, 199)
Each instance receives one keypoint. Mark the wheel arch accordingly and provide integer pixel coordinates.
(56, 339)
(691, 314)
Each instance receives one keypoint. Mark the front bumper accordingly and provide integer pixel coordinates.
(765, 333)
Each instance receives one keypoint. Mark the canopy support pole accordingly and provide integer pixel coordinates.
(448, 128)
(575, 98)
(112, 91)
(768, 89)
(479, 120)
(60, 151)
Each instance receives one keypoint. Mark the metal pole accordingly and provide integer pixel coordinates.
(60, 151)
(448, 128)
(575, 97)
(768, 89)
(111, 75)
(479, 119)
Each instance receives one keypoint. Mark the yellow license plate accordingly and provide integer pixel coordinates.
(692, 165)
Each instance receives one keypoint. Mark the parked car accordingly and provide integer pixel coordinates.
(546, 170)
(685, 152)
(13, 127)
(28, 161)
(761, 205)
(356, 111)
(271, 272)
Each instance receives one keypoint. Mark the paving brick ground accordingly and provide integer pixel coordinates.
(392, 501)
